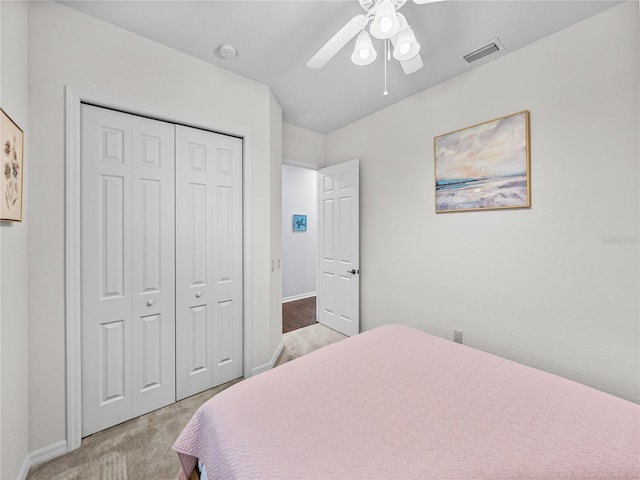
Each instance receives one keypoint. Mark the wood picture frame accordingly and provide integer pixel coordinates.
(484, 167)
(12, 169)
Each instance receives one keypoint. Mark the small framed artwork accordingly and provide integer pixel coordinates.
(299, 223)
(485, 166)
(12, 171)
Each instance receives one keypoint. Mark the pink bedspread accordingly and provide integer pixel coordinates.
(396, 403)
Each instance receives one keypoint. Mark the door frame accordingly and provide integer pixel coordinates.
(319, 233)
(74, 97)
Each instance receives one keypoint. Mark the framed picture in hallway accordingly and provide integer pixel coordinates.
(485, 166)
(299, 223)
(11, 180)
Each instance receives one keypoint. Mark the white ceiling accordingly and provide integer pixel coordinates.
(276, 38)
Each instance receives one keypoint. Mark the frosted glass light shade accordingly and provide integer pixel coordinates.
(385, 24)
(364, 53)
(406, 45)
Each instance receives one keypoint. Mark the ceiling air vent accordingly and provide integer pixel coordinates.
(492, 47)
(308, 120)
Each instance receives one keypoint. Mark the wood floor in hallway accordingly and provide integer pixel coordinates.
(298, 314)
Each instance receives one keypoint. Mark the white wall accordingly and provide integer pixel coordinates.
(68, 47)
(555, 286)
(299, 249)
(300, 145)
(300, 148)
(14, 325)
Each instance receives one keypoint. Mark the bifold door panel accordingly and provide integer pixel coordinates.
(153, 265)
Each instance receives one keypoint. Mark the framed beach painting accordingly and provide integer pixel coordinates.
(485, 166)
(11, 180)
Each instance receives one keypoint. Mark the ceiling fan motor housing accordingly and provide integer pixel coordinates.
(368, 4)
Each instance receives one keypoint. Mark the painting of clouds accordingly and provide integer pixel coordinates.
(484, 167)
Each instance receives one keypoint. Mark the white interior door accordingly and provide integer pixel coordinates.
(338, 297)
(209, 259)
(128, 321)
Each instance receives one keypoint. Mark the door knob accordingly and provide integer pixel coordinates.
(198, 294)
(353, 271)
(150, 302)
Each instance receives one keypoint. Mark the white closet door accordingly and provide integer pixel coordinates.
(106, 269)
(208, 260)
(153, 269)
(128, 324)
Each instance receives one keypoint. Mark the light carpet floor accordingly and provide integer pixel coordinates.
(306, 340)
(141, 448)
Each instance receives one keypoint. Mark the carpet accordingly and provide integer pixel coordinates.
(305, 340)
(140, 449)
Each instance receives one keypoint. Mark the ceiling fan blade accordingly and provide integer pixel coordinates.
(421, 2)
(412, 65)
(339, 40)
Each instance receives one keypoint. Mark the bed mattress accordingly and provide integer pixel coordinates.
(398, 403)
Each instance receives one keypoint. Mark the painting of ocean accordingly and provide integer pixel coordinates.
(484, 167)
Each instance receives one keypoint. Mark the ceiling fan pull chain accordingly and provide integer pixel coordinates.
(386, 56)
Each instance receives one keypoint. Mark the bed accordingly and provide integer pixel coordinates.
(397, 403)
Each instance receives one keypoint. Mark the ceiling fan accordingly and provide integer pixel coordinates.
(386, 24)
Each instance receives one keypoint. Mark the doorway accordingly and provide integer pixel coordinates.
(331, 193)
(299, 246)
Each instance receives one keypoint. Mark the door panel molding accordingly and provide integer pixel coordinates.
(74, 98)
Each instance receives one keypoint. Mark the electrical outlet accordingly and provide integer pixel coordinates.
(278, 263)
(457, 336)
(273, 265)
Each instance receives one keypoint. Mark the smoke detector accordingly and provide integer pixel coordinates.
(227, 51)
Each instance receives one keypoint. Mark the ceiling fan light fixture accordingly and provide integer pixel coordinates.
(406, 45)
(386, 23)
(364, 53)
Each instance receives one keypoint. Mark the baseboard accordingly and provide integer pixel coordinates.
(24, 470)
(269, 365)
(42, 455)
(293, 298)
